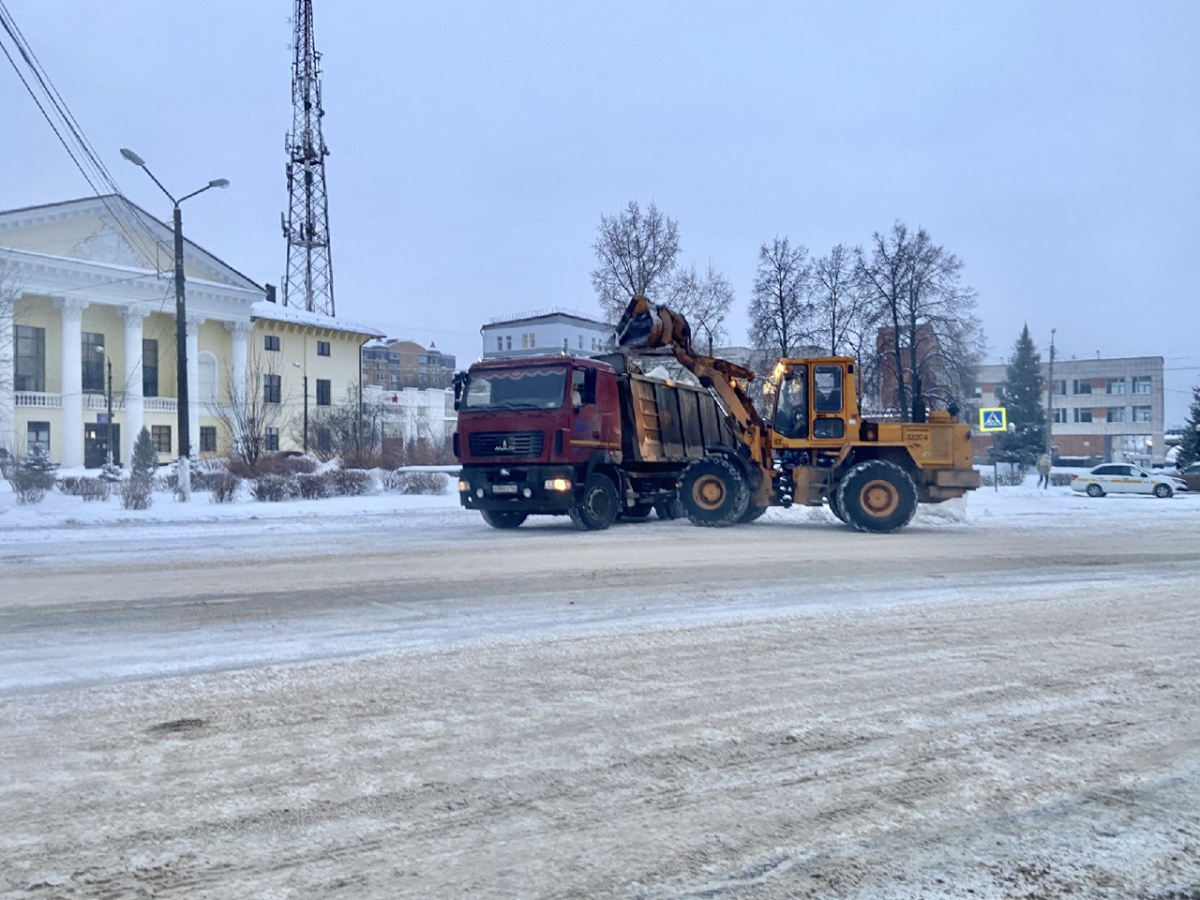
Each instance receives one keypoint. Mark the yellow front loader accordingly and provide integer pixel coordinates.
(817, 447)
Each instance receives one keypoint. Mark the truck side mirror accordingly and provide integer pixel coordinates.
(460, 379)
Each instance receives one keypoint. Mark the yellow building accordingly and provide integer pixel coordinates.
(87, 320)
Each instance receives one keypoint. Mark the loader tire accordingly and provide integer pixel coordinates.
(877, 496)
(835, 507)
(752, 513)
(498, 518)
(713, 492)
(598, 504)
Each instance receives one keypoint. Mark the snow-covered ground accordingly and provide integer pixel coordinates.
(383, 697)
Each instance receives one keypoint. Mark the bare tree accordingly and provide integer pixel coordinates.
(635, 255)
(931, 339)
(844, 321)
(780, 308)
(351, 431)
(252, 407)
(703, 300)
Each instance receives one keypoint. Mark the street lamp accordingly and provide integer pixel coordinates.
(108, 434)
(181, 389)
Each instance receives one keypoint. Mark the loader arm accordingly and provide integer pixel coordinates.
(645, 325)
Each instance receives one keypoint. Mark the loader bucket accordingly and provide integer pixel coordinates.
(640, 325)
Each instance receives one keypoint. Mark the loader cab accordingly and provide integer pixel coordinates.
(815, 402)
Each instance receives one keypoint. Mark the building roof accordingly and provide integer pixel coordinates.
(553, 312)
(289, 314)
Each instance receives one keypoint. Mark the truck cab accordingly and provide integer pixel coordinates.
(531, 430)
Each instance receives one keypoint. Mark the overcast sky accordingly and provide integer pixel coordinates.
(1055, 147)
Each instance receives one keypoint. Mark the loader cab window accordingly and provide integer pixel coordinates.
(827, 389)
(791, 406)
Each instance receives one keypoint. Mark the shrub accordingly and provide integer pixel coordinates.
(1060, 479)
(224, 487)
(94, 489)
(69, 485)
(313, 486)
(351, 482)
(110, 472)
(1010, 478)
(420, 482)
(30, 486)
(136, 492)
(274, 488)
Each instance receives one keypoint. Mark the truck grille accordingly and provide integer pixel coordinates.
(506, 443)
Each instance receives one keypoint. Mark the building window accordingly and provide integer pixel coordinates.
(1083, 415)
(161, 436)
(322, 348)
(1058, 415)
(1114, 386)
(272, 389)
(37, 434)
(30, 363)
(324, 394)
(149, 367)
(1115, 414)
(208, 438)
(271, 439)
(499, 344)
(1143, 413)
(271, 342)
(524, 340)
(324, 441)
(565, 342)
(1141, 384)
(508, 341)
(1081, 386)
(93, 361)
(581, 342)
(1059, 387)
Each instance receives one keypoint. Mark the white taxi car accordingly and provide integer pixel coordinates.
(1122, 478)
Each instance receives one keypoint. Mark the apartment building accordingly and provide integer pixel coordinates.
(545, 332)
(1099, 409)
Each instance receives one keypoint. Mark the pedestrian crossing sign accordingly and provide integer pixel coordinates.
(993, 419)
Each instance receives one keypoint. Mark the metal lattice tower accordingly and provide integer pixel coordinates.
(308, 283)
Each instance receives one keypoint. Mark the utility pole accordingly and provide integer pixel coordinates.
(1050, 400)
(108, 438)
(308, 281)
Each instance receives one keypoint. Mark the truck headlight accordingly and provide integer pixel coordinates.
(463, 486)
(557, 484)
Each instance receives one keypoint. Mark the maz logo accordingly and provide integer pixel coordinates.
(502, 447)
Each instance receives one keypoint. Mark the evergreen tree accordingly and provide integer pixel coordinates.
(1189, 446)
(145, 457)
(1022, 396)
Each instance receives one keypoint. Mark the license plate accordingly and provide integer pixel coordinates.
(504, 489)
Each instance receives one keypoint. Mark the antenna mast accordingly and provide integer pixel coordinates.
(308, 283)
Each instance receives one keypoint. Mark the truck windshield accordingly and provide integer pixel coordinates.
(541, 388)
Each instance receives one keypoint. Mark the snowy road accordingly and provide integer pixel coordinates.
(279, 708)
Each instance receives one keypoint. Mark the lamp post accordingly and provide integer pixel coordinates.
(1050, 399)
(181, 389)
(108, 426)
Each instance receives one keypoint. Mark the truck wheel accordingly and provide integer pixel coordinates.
(713, 492)
(752, 513)
(835, 507)
(501, 519)
(878, 496)
(669, 509)
(597, 508)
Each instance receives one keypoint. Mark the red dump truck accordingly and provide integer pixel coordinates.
(594, 439)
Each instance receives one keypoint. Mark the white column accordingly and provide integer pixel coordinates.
(193, 373)
(239, 334)
(134, 407)
(72, 380)
(8, 351)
